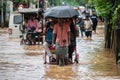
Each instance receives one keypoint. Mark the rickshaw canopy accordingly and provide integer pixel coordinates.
(30, 10)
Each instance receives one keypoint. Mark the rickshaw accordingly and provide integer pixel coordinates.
(26, 35)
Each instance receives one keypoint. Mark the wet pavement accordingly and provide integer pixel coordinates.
(23, 62)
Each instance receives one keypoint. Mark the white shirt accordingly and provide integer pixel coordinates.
(88, 24)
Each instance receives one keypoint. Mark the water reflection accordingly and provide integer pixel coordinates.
(57, 72)
(23, 62)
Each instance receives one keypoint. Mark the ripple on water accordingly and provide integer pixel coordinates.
(23, 62)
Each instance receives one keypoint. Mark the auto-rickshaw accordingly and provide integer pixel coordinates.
(26, 36)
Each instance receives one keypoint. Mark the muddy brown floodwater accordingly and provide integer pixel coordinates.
(23, 62)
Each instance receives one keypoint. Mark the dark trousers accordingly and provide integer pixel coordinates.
(82, 32)
(31, 37)
(70, 51)
(88, 33)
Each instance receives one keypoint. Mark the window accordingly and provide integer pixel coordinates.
(17, 19)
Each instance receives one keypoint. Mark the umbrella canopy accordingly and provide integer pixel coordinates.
(61, 12)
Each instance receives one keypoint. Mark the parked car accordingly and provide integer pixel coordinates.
(15, 22)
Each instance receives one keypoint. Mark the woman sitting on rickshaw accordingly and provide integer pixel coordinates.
(32, 28)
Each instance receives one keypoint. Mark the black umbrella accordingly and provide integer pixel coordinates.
(61, 12)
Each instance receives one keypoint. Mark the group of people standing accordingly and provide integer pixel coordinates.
(62, 33)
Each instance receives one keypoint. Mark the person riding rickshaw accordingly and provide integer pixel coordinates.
(32, 28)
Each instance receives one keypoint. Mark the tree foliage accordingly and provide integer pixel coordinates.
(4, 5)
(102, 6)
(68, 2)
(109, 9)
(17, 1)
(106, 7)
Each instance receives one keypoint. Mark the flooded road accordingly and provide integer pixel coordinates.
(22, 62)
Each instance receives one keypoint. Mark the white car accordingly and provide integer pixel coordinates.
(15, 21)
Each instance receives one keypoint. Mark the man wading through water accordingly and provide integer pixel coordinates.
(61, 33)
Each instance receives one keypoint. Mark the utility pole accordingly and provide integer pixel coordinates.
(37, 3)
(30, 4)
(2, 14)
(59, 2)
(87, 5)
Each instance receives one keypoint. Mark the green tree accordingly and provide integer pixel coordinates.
(104, 9)
(17, 1)
(69, 2)
(110, 10)
(4, 10)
